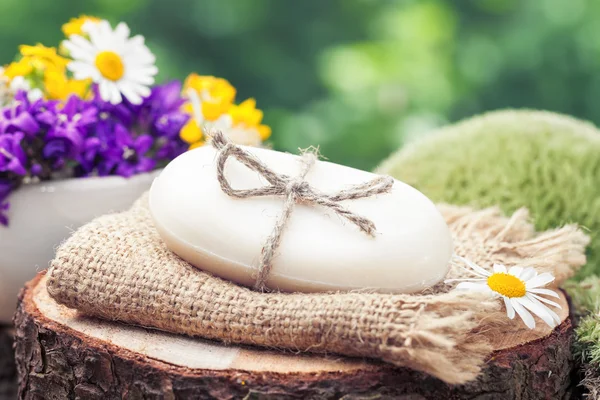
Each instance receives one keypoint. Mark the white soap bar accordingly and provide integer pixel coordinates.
(319, 251)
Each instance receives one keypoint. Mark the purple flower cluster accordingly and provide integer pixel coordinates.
(44, 140)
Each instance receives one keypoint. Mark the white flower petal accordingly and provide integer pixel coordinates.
(77, 52)
(510, 310)
(83, 70)
(515, 271)
(115, 94)
(103, 86)
(122, 31)
(554, 316)
(538, 309)
(475, 287)
(19, 83)
(476, 268)
(192, 96)
(528, 273)
(82, 43)
(145, 80)
(103, 36)
(87, 25)
(523, 313)
(499, 269)
(142, 90)
(130, 93)
(145, 72)
(546, 292)
(540, 280)
(544, 300)
(34, 94)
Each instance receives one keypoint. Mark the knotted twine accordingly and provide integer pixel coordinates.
(294, 190)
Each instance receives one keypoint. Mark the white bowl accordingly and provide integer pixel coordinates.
(42, 215)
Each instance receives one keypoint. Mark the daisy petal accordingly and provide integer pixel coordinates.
(540, 280)
(115, 94)
(83, 44)
(122, 31)
(475, 287)
(142, 90)
(539, 310)
(476, 268)
(510, 310)
(544, 300)
(554, 316)
(104, 90)
(546, 292)
(129, 93)
(499, 268)
(141, 79)
(82, 70)
(528, 273)
(515, 271)
(523, 313)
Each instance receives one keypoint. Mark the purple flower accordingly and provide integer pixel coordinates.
(127, 154)
(17, 118)
(169, 149)
(87, 159)
(65, 138)
(170, 124)
(109, 113)
(12, 156)
(160, 113)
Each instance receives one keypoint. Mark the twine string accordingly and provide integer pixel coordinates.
(294, 190)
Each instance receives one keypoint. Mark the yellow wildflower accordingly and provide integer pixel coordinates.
(211, 107)
(22, 67)
(73, 27)
(42, 57)
(215, 91)
(210, 98)
(59, 87)
(192, 132)
(248, 116)
(35, 58)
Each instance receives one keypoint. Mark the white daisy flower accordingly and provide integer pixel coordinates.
(521, 288)
(120, 65)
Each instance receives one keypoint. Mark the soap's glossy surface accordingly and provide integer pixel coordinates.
(319, 251)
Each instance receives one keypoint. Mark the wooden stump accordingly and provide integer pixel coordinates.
(62, 355)
(8, 371)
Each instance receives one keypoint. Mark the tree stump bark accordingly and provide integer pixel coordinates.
(63, 355)
(8, 370)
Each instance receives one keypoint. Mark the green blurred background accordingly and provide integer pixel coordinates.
(358, 77)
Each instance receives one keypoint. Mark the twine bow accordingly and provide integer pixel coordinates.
(295, 190)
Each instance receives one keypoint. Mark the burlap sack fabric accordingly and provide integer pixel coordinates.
(117, 268)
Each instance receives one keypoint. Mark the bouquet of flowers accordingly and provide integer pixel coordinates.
(90, 108)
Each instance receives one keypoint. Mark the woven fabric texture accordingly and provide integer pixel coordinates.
(117, 268)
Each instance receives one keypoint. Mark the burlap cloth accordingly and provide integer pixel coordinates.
(117, 268)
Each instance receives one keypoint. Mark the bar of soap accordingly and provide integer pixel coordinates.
(319, 251)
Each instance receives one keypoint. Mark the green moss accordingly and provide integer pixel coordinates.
(548, 162)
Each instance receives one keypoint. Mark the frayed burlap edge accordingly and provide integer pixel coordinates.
(117, 268)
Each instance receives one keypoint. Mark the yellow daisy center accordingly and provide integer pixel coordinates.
(507, 285)
(110, 65)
